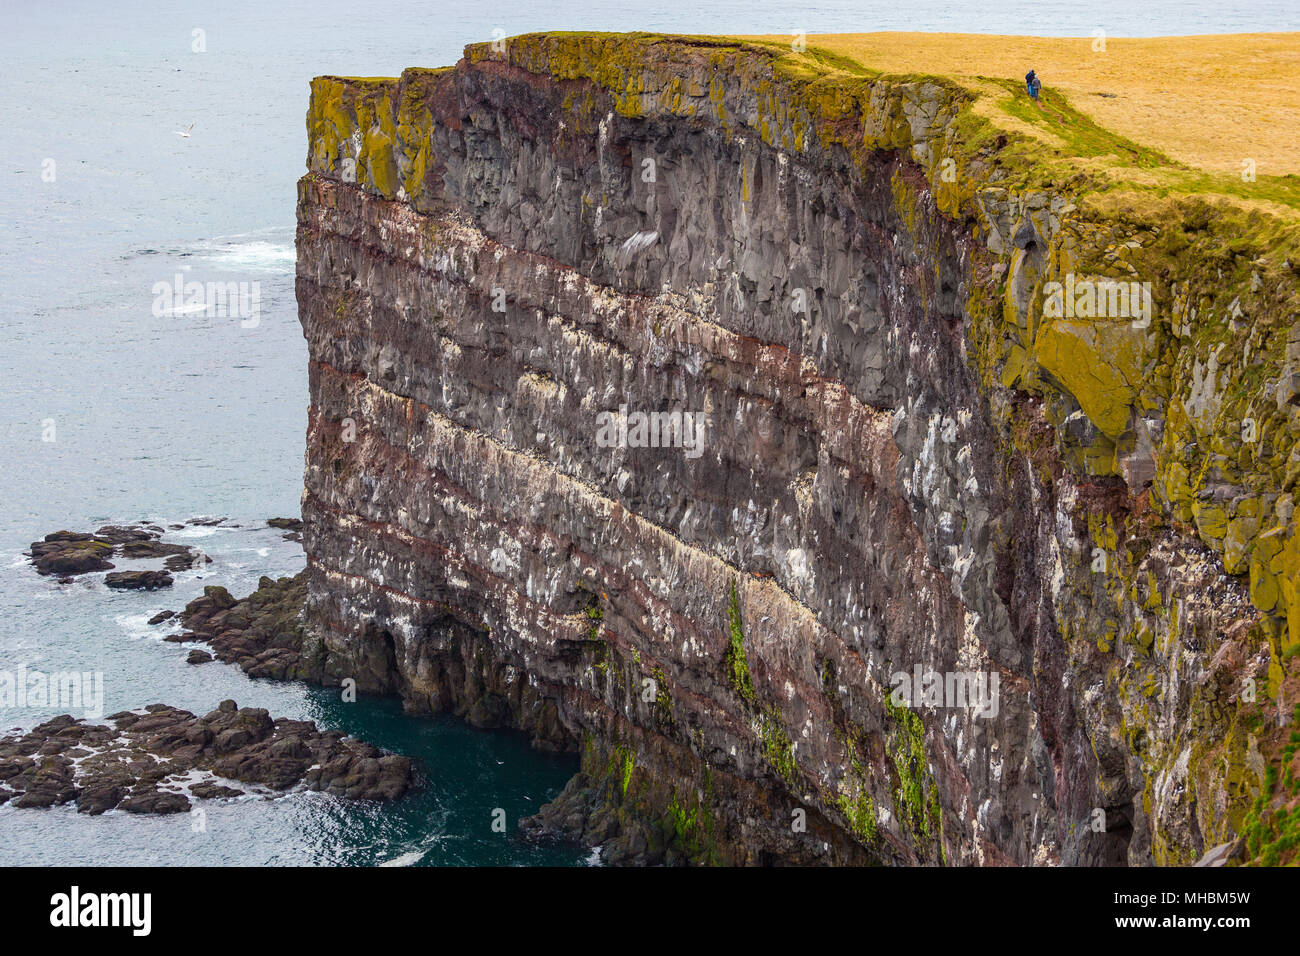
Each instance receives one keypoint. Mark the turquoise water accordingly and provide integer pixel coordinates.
(168, 416)
(464, 775)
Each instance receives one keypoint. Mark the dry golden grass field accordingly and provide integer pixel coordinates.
(1210, 102)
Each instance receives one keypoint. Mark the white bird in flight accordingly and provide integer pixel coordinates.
(186, 133)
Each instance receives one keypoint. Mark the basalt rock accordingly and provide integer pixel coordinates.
(908, 465)
(146, 761)
(69, 553)
(292, 528)
(262, 633)
(138, 580)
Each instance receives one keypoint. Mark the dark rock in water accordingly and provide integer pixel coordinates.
(155, 801)
(178, 557)
(100, 798)
(198, 657)
(162, 616)
(44, 796)
(208, 791)
(139, 763)
(125, 534)
(138, 580)
(68, 537)
(293, 527)
(191, 558)
(262, 633)
(205, 522)
(151, 548)
(68, 553)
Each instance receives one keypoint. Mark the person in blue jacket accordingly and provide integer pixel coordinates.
(1032, 84)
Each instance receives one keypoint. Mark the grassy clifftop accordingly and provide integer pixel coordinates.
(1209, 102)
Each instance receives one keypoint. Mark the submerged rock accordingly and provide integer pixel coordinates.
(146, 762)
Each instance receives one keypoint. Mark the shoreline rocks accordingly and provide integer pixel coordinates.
(262, 633)
(291, 526)
(146, 762)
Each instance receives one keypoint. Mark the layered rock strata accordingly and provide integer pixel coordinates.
(908, 462)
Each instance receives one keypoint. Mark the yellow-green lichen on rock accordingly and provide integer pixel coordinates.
(1100, 363)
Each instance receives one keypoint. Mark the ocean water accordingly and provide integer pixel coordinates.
(117, 406)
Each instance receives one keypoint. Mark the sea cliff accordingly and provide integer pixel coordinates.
(970, 405)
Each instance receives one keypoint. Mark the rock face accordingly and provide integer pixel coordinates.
(144, 763)
(906, 465)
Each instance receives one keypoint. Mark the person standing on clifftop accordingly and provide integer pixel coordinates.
(1033, 84)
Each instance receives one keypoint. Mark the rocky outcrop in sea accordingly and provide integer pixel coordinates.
(263, 633)
(160, 758)
(67, 554)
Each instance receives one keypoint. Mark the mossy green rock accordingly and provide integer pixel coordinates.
(1099, 362)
